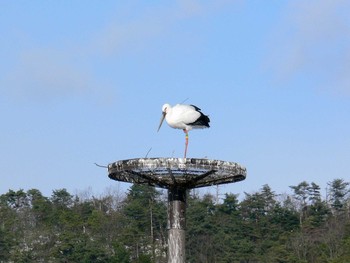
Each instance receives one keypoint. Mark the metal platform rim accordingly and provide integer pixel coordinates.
(168, 172)
(174, 159)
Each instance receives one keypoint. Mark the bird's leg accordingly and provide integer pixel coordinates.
(186, 143)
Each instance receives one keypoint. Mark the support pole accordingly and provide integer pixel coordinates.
(176, 225)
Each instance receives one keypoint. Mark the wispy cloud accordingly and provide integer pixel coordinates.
(45, 73)
(123, 35)
(52, 70)
(313, 43)
(52, 74)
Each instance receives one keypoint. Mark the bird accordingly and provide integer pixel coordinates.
(185, 117)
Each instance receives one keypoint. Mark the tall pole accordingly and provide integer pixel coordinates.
(176, 224)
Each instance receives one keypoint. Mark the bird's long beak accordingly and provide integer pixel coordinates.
(161, 121)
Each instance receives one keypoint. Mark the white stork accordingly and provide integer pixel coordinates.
(185, 117)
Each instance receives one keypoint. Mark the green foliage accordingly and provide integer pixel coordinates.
(121, 255)
(261, 227)
(5, 245)
(338, 190)
(144, 220)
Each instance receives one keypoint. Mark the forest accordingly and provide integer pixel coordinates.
(262, 226)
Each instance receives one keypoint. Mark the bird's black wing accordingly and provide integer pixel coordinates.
(196, 108)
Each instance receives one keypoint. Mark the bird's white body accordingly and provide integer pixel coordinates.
(182, 116)
(185, 117)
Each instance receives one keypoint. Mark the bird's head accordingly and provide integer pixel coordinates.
(165, 109)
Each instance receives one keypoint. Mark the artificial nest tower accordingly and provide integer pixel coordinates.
(177, 175)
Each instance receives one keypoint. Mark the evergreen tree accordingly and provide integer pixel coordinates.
(338, 191)
(201, 229)
(144, 221)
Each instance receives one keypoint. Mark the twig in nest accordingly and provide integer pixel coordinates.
(148, 152)
(184, 100)
(103, 166)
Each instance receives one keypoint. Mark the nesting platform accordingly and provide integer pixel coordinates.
(179, 172)
(177, 175)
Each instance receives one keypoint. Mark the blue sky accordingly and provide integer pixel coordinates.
(84, 82)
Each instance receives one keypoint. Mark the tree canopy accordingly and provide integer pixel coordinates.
(262, 226)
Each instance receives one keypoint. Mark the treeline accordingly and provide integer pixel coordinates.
(260, 227)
